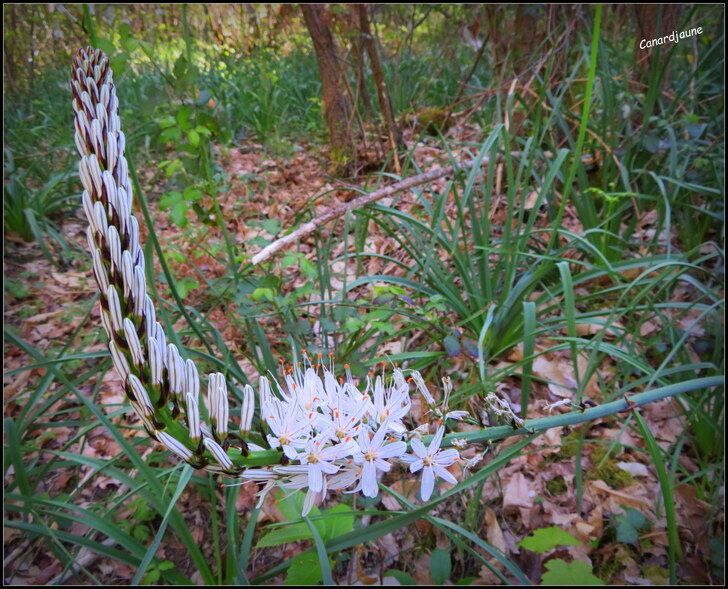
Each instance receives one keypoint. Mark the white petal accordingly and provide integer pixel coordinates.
(419, 449)
(369, 480)
(428, 484)
(437, 440)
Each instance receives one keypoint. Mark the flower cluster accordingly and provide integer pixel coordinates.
(333, 435)
(338, 437)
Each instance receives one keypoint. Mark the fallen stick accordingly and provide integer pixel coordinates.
(365, 199)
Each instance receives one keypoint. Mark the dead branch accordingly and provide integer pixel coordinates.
(363, 200)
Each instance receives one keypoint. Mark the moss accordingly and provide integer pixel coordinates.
(568, 447)
(656, 574)
(607, 470)
(606, 569)
(601, 469)
(556, 486)
(434, 120)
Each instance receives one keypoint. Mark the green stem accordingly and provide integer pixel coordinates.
(211, 189)
(215, 527)
(89, 22)
(576, 159)
(544, 423)
(673, 546)
(188, 39)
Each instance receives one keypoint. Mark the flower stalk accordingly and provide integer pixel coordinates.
(333, 435)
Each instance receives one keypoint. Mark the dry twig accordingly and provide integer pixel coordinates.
(363, 200)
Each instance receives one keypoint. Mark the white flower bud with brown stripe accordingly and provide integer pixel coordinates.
(247, 411)
(218, 452)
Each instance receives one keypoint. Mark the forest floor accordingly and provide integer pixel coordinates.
(52, 310)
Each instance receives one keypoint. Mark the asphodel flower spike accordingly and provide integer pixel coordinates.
(334, 435)
(163, 388)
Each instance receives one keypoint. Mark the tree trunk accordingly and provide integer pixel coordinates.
(648, 20)
(393, 133)
(336, 105)
(351, 23)
(525, 39)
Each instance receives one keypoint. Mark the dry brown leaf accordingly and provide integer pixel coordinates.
(421, 573)
(600, 324)
(559, 376)
(405, 487)
(494, 534)
(530, 201)
(628, 499)
(634, 468)
(516, 492)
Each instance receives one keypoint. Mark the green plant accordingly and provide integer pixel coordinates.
(629, 524)
(337, 521)
(558, 571)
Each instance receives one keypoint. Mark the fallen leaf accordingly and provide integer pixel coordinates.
(634, 468)
(494, 534)
(516, 492)
(623, 498)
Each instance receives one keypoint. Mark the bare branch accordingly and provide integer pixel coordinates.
(361, 201)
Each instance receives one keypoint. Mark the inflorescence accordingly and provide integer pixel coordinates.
(333, 435)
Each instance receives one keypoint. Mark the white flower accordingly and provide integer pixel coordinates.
(318, 459)
(373, 456)
(433, 461)
(306, 388)
(348, 475)
(460, 443)
(299, 480)
(290, 429)
(345, 414)
(390, 405)
(472, 462)
(422, 388)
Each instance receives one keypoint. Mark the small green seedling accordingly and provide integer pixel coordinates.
(558, 571)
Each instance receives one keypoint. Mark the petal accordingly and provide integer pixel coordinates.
(393, 450)
(308, 502)
(369, 480)
(428, 484)
(416, 465)
(437, 440)
(328, 468)
(447, 457)
(445, 474)
(419, 448)
(315, 478)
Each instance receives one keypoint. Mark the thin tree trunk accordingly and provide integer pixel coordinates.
(395, 137)
(648, 21)
(525, 37)
(357, 53)
(336, 105)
